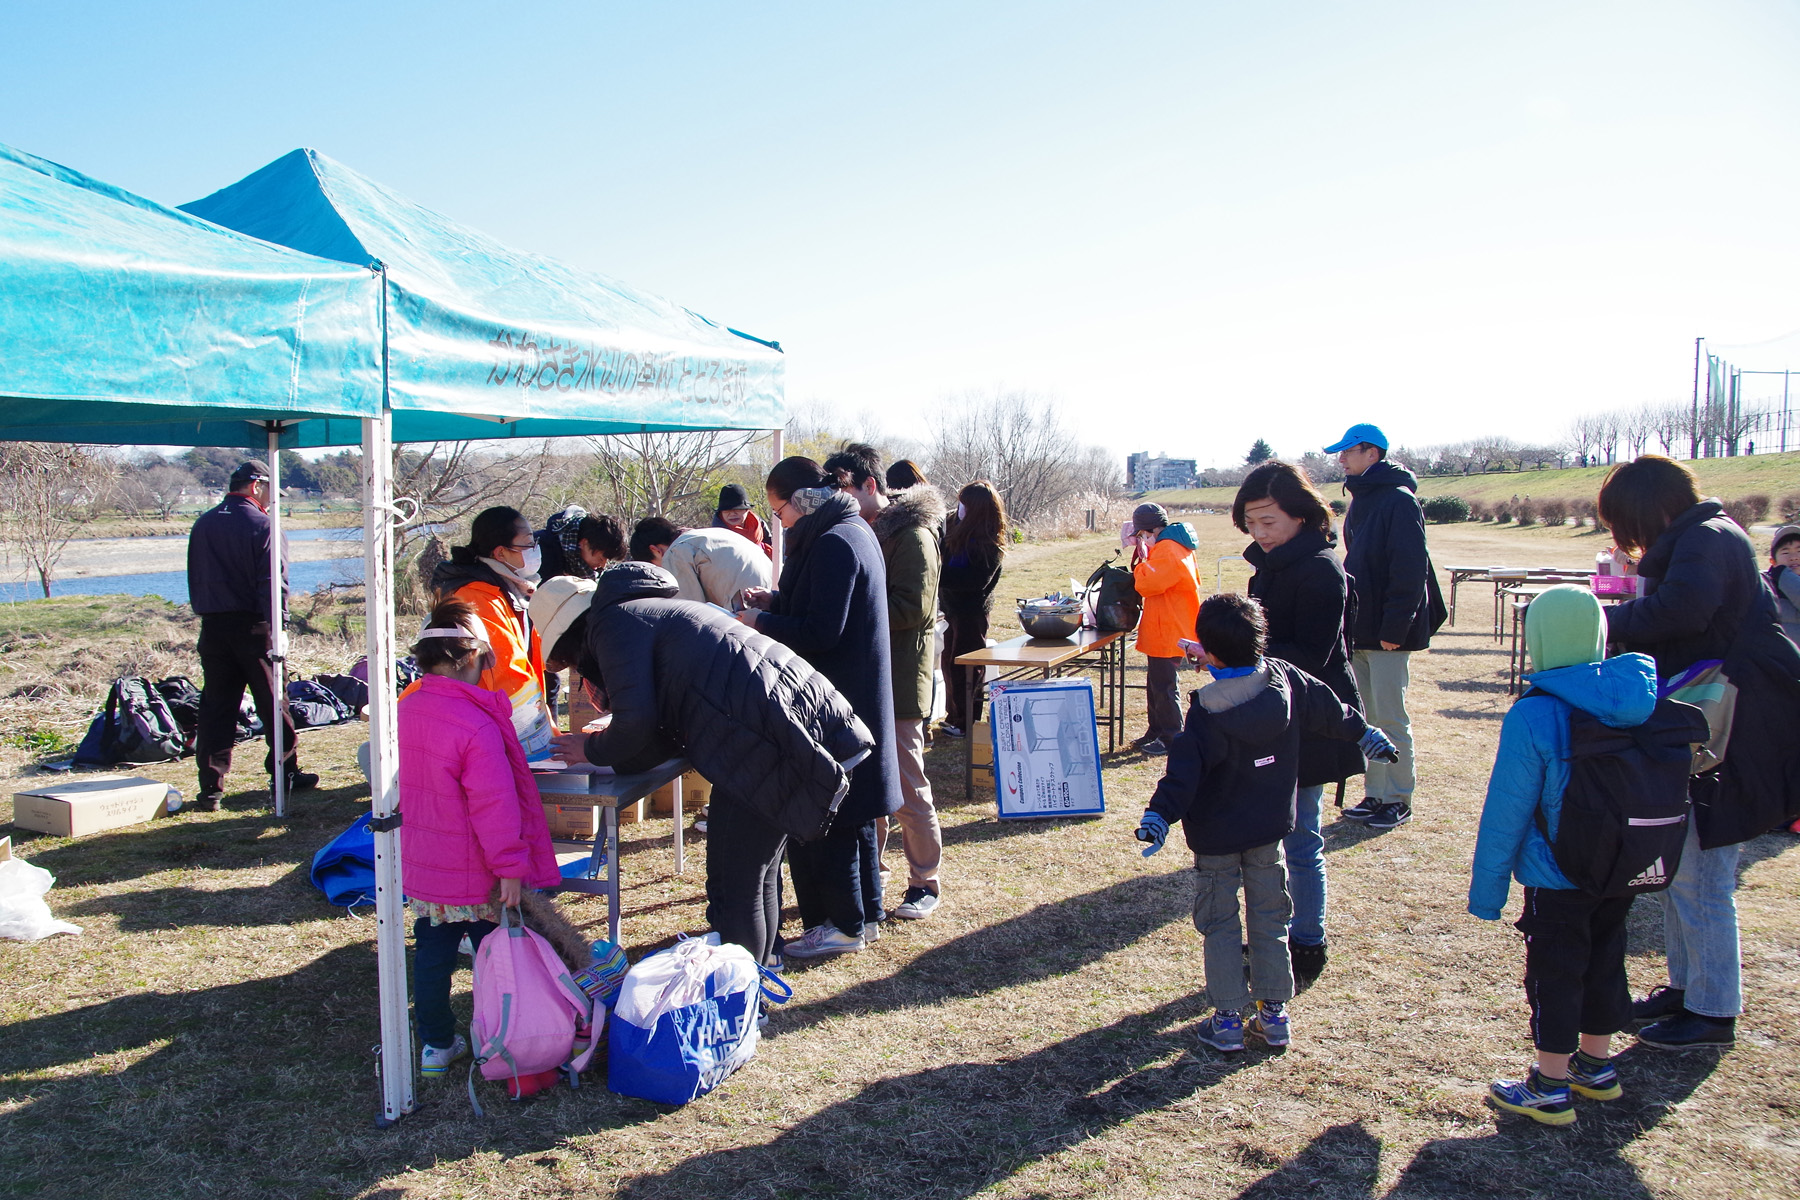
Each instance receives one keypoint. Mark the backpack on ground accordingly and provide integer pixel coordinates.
(136, 726)
(1626, 810)
(352, 691)
(312, 705)
(1117, 605)
(183, 699)
(531, 1019)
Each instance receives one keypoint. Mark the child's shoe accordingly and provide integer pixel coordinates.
(1540, 1099)
(1270, 1023)
(1593, 1078)
(435, 1060)
(1224, 1030)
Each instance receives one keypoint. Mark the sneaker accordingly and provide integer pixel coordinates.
(435, 1060)
(1593, 1078)
(1309, 962)
(1664, 1001)
(1689, 1031)
(1154, 748)
(1138, 743)
(207, 802)
(949, 730)
(1543, 1100)
(1390, 816)
(1270, 1022)
(822, 940)
(302, 781)
(1362, 812)
(1224, 1030)
(918, 904)
(871, 933)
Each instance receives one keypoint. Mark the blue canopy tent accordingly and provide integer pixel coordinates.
(441, 332)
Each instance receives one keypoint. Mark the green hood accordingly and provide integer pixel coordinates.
(1180, 532)
(1563, 627)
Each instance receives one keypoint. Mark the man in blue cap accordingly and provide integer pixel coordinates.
(1398, 608)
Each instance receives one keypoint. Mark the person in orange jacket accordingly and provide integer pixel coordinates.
(1163, 566)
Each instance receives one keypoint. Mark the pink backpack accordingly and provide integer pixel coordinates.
(530, 1017)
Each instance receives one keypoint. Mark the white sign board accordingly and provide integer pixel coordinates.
(1046, 748)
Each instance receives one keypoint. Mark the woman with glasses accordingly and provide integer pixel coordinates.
(497, 572)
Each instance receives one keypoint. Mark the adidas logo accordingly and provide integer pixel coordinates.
(1651, 876)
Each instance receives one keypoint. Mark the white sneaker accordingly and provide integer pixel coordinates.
(871, 932)
(919, 904)
(822, 940)
(435, 1061)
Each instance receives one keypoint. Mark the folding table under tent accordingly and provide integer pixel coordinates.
(466, 339)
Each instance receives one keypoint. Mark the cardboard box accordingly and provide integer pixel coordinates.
(76, 807)
(696, 794)
(579, 821)
(981, 744)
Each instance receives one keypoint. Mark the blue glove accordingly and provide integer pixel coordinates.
(1152, 829)
(1375, 745)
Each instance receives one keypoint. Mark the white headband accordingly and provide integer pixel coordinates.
(454, 631)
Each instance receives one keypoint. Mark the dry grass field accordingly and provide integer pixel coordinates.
(209, 1033)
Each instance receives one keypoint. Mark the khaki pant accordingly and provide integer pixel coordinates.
(920, 836)
(1382, 677)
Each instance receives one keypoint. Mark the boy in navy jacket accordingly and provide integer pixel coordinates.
(1230, 781)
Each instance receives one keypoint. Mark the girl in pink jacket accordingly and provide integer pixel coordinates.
(474, 834)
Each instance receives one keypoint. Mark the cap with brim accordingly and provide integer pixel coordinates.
(248, 470)
(1356, 435)
(1785, 533)
(1147, 518)
(556, 604)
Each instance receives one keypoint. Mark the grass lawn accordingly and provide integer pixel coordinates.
(209, 1033)
(1771, 475)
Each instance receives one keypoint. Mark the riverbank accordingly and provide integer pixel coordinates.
(88, 557)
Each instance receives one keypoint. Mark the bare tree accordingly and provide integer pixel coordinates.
(667, 474)
(1014, 440)
(1320, 468)
(452, 481)
(48, 492)
(1584, 436)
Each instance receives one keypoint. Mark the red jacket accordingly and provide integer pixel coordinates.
(752, 529)
(471, 808)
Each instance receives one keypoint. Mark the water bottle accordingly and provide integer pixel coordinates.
(172, 802)
(1603, 563)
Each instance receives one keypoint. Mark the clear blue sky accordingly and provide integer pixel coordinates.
(1195, 223)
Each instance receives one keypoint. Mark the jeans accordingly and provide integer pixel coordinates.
(434, 962)
(1382, 677)
(743, 876)
(1163, 697)
(1574, 966)
(1263, 877)
(1700, 929)
(830, 875)
(920, 835)
(1305, 852)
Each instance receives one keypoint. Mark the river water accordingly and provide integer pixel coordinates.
(306, 576)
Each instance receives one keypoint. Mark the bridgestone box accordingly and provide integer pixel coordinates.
(82, 806)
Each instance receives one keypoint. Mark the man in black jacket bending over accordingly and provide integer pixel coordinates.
(1398, 608)
(228, 589)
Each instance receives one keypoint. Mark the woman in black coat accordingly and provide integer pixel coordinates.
(1703, 600)
(1310, 607)
(831, 609)
(974, 544)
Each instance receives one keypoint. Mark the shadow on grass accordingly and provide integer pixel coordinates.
(960, 1128)
(1519, 1158)
(1472, 714)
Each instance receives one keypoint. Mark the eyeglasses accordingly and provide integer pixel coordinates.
(525, 547)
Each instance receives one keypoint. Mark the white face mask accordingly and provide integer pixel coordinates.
(962, 510)
(534, 559)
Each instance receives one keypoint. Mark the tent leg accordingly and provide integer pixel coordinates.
(277, 631)
(396, 1060)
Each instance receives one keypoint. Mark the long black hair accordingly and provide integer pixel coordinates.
(491, 529)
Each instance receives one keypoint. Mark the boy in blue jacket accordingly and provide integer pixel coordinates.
(1231, 779)
(1574, 942)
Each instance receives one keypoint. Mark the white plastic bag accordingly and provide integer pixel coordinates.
(24, 917)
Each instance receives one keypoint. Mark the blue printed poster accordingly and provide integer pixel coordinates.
(1046, 748)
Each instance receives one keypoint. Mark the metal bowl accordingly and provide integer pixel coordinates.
(1049, 621)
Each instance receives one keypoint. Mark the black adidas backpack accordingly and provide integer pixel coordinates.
(1625, 811)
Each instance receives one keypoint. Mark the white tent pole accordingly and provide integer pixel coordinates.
(775, 529)
(384, 769)
(277, 630)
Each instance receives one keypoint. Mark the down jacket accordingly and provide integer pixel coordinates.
(750, 714)
(907, 530)
(1704, 599)
(472, 815)
(1310, 608)
(832, 610)
(1231, 774)
(518, 668)
(1171, 592)
(1397, 596)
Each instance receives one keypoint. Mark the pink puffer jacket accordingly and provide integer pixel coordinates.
(472, 815)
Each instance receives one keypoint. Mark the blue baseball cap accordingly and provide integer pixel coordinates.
(1356, 434)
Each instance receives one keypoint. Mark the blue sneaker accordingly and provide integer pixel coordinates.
(1224, 1030)
(1270, 1022)
(1593, 1078)
(1535, 1097)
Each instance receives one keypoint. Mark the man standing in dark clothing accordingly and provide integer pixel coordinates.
(1398, 608)
(228, 588)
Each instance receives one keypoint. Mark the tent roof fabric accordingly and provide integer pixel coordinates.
(485, 341)
(119, 311)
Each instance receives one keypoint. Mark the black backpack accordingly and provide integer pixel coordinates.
(1625, 811)
(183, 699)
(1117, 604)
(136, 726)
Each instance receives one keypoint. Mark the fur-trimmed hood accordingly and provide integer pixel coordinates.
(918, 507)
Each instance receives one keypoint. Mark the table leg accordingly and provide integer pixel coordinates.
(680, 855)
(1454, 580)
(610, 837)
(969, 733)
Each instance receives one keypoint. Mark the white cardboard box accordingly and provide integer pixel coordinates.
(76, 807)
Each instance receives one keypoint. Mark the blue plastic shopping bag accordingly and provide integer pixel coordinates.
(686, 1019)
